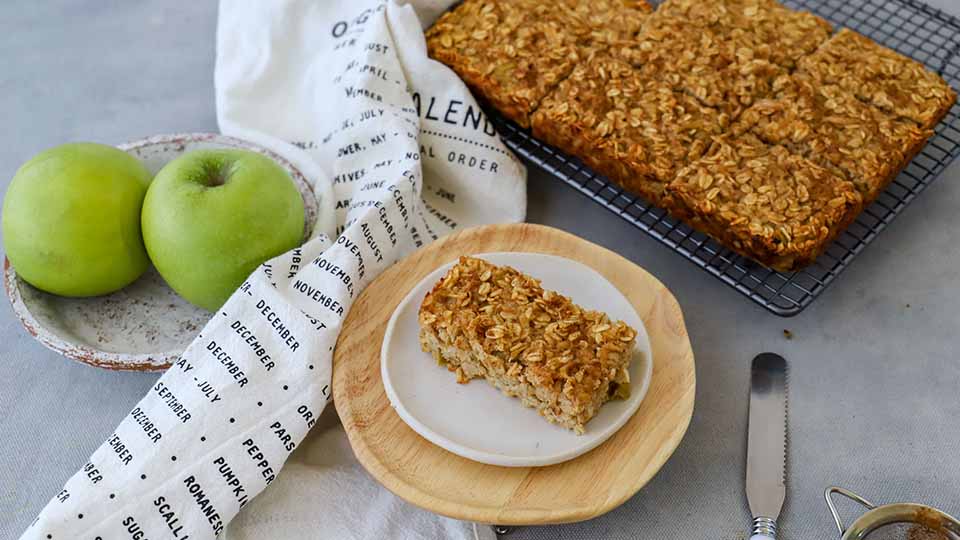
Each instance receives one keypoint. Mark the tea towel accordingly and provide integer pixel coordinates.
(399, 154)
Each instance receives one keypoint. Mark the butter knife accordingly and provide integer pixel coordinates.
(767, 444)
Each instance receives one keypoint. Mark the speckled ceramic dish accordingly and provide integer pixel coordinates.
(145, 325)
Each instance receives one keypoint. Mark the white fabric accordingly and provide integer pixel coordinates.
(324, 493)
(400, 154)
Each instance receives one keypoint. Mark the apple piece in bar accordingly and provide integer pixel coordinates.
(71, 220)
(211, 217)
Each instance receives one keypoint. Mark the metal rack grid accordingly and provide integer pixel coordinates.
(908, 26)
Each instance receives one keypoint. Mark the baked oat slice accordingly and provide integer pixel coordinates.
(494, 322)
(765, 202)
(701, 63)
(570, 116)
(513, 52)
(882, 77)
(605, 24)
(726, 53)
(636, 131)
(757, 29)
(652, 135)
(831, 127)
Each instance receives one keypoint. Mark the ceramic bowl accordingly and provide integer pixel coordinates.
(145, 325)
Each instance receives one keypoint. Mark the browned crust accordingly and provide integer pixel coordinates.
(834, 129)
(765, 202)
(513, 105)
(939, 115)
(635, 131)
(726, 53)
(605, 24)
(513, 53)
(760, 29)
(882, 77)
(575, 119)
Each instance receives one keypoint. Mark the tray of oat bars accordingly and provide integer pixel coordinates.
(767, 143)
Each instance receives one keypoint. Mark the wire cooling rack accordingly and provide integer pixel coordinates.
(910, 27)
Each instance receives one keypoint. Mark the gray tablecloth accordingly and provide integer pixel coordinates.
(874, 383)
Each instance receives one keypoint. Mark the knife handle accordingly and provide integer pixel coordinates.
(764, 529)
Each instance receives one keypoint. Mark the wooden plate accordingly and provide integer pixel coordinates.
(434, 479)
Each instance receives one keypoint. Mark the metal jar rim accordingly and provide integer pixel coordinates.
(879, 516)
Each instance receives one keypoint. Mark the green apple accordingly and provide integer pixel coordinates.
(71, 220)
(212, 216)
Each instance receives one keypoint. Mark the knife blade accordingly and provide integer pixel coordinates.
(767, 444)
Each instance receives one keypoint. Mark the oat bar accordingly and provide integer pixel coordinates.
(755, 29)
(882, 77)
(728, 90)
(514, 52)
(764, 202)
(486, 321)
(604, 24)
(830, 126)
(509, 52)
(726, 53)
(701, 64)
(635, 131)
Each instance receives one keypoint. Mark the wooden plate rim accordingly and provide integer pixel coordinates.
(494, 513)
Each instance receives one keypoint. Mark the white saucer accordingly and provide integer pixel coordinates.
(475, 420)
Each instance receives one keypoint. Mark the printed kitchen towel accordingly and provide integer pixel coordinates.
(400, 154)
